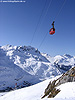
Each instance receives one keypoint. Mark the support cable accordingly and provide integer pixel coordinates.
(38, 23)
(60, 9)
(43, 39)
(47, 10)
(54, 20)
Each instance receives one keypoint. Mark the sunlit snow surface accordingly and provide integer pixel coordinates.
(35, 92)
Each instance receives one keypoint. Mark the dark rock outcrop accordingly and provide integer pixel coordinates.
(51, 90)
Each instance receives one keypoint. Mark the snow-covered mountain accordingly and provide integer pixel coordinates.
(25, 64)
(36, 92)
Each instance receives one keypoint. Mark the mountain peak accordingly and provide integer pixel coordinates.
(67, 55)
(28, 64)
(20, 48)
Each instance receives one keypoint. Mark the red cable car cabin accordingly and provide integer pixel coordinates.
(52, 31)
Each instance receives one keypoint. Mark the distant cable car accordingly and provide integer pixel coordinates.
(52, 30)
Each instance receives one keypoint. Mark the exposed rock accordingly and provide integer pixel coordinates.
(51, 90)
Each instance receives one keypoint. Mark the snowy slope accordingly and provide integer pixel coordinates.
(25, 63)
(35, 92)
(51, 90)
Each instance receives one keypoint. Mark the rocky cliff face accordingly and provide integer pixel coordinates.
(51, 90)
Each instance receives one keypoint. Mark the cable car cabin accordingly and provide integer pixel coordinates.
(52, 31)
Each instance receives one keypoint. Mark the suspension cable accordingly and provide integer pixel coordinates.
(43, 39)
(47, 10)
(44, 17)
(54, 20)
(38, 23)
(60, 9)
(42, 21)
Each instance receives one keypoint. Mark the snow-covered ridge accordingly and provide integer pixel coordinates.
(25, 63)
(51, 90)
(67, 92)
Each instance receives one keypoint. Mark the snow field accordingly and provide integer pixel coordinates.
(36, 91)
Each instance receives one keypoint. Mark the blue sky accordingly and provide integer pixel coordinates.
(21, 23)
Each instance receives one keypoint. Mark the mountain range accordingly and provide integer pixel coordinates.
(26, 65)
